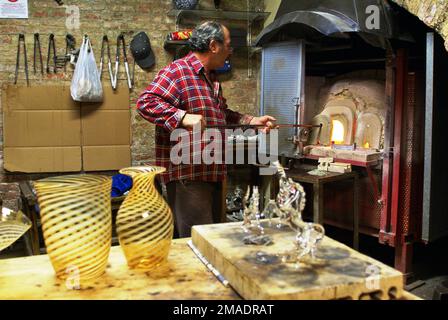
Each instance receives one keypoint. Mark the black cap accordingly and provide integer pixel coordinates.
(141, 51)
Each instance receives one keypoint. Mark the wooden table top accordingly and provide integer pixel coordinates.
(184, 277)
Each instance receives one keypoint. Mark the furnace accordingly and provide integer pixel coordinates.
(370, 91)
(346, 133)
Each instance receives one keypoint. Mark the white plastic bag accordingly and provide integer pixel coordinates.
(86, 83)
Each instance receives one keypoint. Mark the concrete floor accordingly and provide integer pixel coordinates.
(430, 262)
(430, 265)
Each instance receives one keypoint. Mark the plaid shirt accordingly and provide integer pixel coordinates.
(182, 88)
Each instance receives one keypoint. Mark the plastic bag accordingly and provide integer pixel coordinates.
(86, 83)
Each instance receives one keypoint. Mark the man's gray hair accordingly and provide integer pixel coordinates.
(203, 34)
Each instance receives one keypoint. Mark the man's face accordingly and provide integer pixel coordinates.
(222, 51)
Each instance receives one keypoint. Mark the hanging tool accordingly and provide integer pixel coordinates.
(61, 60)
(37, 49)
(21, 39)
(51, 47)
(70, 50)
(109, 63)
(120, 39)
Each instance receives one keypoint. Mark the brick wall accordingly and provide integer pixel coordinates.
(434, 13)
(111, 17)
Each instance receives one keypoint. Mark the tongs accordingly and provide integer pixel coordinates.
(109, 63)
(120, 39)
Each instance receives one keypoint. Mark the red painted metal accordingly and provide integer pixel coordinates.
(400, 91)
(384, 234)
(374, 184)
(410, 192)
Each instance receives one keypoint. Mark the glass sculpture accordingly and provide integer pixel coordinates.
(251, 222)
(271, 211)
(291, 202)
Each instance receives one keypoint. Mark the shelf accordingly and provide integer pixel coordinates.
(173, 44)
(218, 14)
(195, 15)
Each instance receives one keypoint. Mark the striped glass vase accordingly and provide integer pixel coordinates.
(77, 224)
(13, 225)
(144, 220)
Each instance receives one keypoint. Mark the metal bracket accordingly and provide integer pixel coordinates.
(296, 101)
(388, 154)
(387, 238)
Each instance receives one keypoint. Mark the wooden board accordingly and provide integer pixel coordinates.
(257, 272)
(183, 277)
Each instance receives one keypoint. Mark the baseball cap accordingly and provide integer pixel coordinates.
(141, 50)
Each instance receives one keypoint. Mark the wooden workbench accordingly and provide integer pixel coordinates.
(183, 277)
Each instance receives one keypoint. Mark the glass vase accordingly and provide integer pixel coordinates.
(76, 220)
(13, 225)
(144, 221)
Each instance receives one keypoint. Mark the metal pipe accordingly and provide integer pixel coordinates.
(280, 125)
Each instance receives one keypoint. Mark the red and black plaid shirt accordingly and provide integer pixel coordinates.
(182, 88)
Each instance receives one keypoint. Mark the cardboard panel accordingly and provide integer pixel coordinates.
(42, 128)
(112, 100)
(39, 98)
(106, 157)
(35, 159)
(105, 127)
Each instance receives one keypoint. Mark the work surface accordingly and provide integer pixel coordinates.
(183, 277)
(258, 272)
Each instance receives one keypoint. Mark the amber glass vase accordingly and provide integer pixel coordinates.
(13, 225)
(144, 220)
(76, 223)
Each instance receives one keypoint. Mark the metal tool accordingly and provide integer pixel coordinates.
(21, 39)
(109, 62)
(51, 47)
(120, 40)
(209, 266)
(70, 50)
(257, 126)
(61, 60)
(37, 49)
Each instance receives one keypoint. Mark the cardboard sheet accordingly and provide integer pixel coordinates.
(46, 131)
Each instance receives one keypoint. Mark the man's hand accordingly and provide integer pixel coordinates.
(191, 120)
(267, 121)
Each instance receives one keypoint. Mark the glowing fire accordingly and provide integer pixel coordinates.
(337, 133)
(366, 145)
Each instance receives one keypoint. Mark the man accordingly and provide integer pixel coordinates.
(186, 94)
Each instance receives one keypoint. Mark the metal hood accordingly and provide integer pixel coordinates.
(314, 19)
